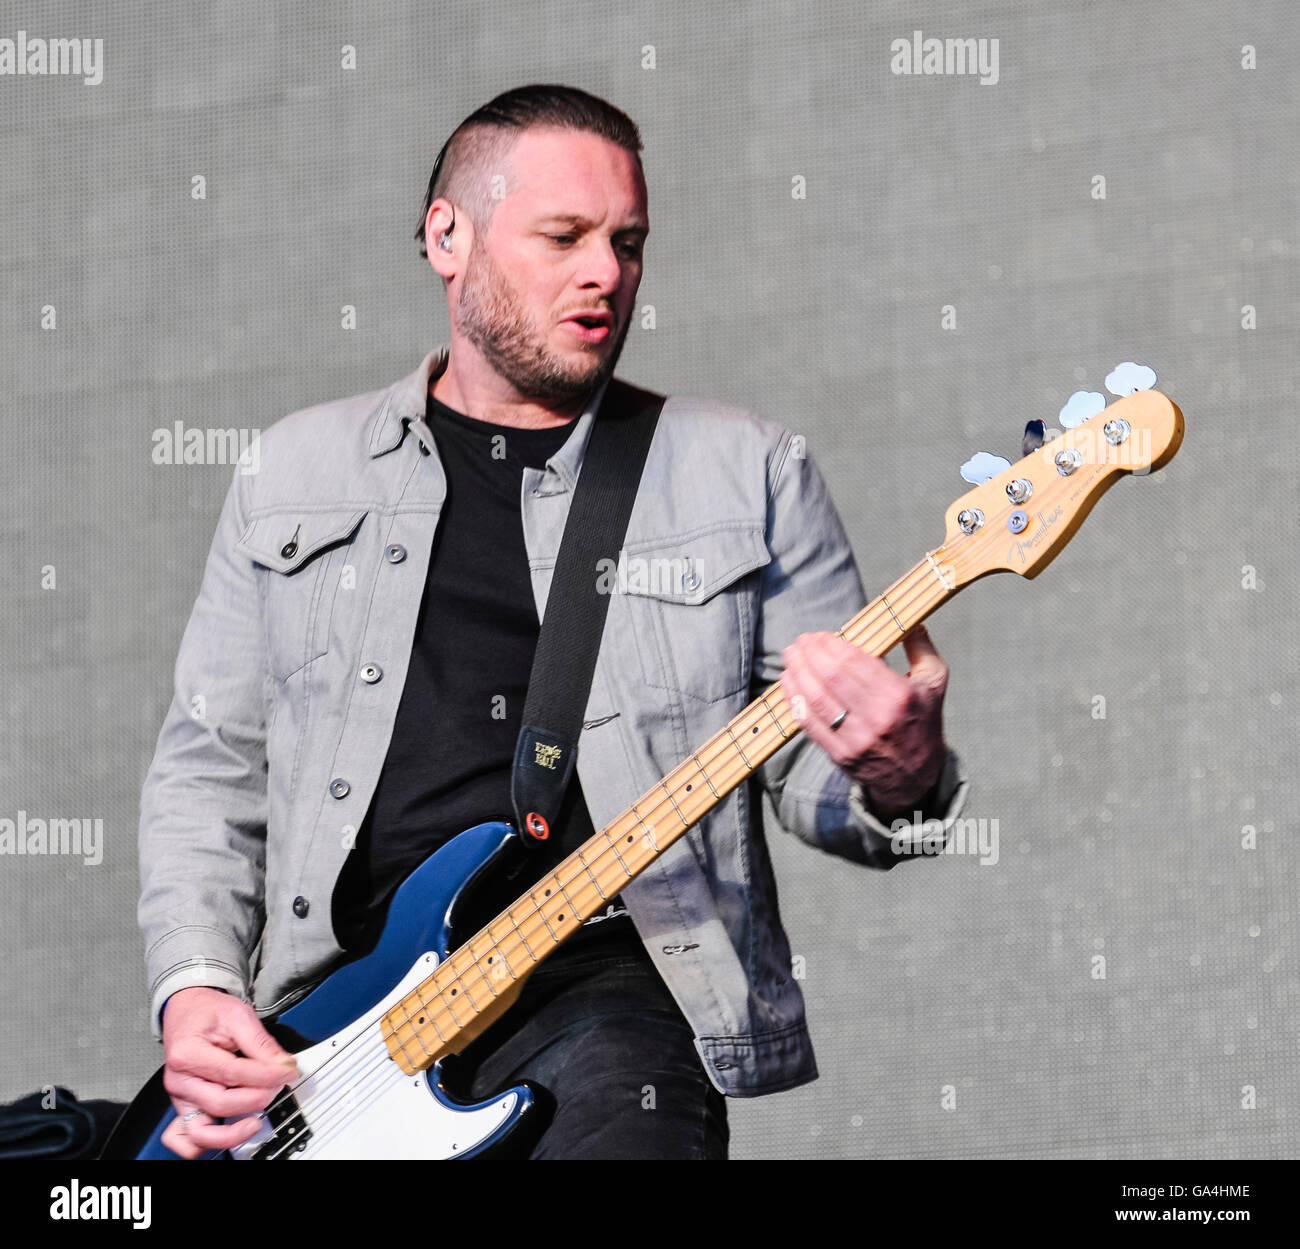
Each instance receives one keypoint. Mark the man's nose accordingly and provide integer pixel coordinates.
(600, 265)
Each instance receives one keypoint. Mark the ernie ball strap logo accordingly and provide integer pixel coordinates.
(546, 756)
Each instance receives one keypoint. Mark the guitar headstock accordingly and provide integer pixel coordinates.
(1018, 520)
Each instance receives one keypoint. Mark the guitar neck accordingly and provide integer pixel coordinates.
(423, 1026)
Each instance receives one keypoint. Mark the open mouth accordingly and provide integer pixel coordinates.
(593, 328)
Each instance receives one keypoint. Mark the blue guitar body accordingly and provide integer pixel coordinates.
(353, 1101)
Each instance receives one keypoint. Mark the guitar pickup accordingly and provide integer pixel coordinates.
(290, 1131)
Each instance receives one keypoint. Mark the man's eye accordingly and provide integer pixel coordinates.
(560, 238)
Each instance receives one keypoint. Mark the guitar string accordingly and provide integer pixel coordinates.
(872, 622)
(328, 1121)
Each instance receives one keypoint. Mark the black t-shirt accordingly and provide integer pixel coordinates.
(449, 761)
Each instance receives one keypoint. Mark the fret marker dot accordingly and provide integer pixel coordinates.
(453, 993)
(629, 836)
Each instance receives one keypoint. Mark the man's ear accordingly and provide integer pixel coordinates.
(441, 231)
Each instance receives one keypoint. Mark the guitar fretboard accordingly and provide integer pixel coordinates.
(426, 1024)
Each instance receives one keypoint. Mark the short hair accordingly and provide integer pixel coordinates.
(480, 146)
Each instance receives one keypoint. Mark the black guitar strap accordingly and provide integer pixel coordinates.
(574, 618)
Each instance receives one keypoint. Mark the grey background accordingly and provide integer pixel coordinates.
(1119, 836)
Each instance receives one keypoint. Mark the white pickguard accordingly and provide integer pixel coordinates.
(358, 1103)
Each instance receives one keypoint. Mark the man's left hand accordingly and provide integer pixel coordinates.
(890, 737)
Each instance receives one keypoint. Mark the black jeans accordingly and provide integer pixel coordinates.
(596, 1027)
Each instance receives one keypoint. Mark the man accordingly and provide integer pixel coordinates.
(350, 684)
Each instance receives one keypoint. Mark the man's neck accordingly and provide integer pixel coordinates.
(497, 401)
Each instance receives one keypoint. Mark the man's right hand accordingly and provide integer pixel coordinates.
(204, 1032)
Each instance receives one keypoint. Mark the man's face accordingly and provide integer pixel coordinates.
(566, 241)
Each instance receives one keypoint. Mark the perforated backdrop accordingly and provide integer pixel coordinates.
(903, 267)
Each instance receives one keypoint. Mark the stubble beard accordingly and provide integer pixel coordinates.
(492, 318)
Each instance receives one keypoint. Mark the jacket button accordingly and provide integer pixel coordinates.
(301, 906)
(371, 673)
(340, 788)
(396, 553)
(691, 581)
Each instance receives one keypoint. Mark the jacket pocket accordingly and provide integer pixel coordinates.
(300, 554)
(691, 602)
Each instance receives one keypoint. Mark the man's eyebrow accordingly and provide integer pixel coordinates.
(576, 219)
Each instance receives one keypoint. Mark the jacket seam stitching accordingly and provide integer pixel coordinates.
(742, 1040)
(700, 531)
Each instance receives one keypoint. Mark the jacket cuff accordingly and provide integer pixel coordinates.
(929, 829)
(221, 966)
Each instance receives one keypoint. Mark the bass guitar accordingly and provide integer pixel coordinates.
(372, 1037)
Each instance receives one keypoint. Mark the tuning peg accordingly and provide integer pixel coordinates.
(983, 466)
(1080, 406)
(1125, 379)
(1035, 436)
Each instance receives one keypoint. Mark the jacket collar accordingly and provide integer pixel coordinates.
(406, 400)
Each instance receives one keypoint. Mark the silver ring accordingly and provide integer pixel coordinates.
(193, 1114)
(839, 719)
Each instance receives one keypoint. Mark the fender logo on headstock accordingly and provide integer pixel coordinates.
(1044, 525)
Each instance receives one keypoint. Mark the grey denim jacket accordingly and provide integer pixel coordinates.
(294, 658)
